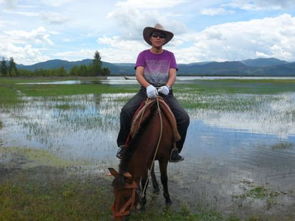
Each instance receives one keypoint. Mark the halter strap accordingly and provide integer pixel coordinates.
(129, 204)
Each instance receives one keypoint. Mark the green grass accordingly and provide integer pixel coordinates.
(62, 90)
(263, 86)
(201, 94)
(8, 95)
(44, 197)
(38, 185)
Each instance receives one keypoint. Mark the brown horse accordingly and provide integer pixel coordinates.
(153, 135)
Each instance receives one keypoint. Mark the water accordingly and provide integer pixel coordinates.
(121, 80)
(240, 142)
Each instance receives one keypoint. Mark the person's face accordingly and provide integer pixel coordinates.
(157, 39)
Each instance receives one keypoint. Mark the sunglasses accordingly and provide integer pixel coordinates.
(160, 35)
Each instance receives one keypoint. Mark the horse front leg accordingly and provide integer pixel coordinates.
(142, 197)
(154, 181)
(164, 180)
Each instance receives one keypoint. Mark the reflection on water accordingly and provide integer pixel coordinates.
(236, 143)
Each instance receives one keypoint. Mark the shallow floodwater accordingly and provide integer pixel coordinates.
(242, 143)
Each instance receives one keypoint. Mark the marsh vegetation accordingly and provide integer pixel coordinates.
(57, 140)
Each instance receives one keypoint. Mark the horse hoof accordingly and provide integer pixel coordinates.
(156, 191)
(140, 208)
(168, 202)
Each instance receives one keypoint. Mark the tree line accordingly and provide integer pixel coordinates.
(9, 69)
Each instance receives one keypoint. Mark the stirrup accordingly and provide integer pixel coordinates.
(174, 156)
(121, 153)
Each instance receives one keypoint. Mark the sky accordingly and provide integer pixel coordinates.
(204, 30)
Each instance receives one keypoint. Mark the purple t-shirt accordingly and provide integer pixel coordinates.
(156, 66)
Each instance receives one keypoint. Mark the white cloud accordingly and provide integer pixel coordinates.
(25, 46)
(75, 55)
(38, 36)
(270, 37)
(131, 27)
(132, 16)
(22, 54)
(216, 11)
(120, 50)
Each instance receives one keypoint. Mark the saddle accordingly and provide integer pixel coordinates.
(144, 111)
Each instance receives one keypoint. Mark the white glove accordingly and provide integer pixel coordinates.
(164, 90)
(151, 91)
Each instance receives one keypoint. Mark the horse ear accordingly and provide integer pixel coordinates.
(127, 175)
(113, 172)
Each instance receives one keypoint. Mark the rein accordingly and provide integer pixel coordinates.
(158, 144)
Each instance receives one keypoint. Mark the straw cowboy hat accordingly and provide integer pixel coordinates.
(147, 32)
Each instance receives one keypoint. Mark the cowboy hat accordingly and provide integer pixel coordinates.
(147, 32)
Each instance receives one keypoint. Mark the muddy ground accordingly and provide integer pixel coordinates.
(39, 190)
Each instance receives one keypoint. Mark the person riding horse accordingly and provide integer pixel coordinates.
(156, 73)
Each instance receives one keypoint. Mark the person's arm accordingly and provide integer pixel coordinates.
(140, 77)
(171, 77)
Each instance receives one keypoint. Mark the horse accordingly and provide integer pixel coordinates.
(152, 136)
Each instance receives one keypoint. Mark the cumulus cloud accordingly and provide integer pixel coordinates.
(22, 54)
(25, 46)
(38, 36)
(268, 37)
(132, 16)
(131, 27)
(120, 50)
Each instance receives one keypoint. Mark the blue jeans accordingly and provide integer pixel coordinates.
(128, 110)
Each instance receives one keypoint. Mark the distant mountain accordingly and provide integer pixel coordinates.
(56, 63)
(120, 68)
(213, 68)
(263, 62)
(250, 67)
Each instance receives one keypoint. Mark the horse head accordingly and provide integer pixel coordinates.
(125, 192)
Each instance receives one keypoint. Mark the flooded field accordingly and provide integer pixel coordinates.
(239, 153)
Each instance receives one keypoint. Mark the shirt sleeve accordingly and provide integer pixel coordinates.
(173, 62)
(140, 60)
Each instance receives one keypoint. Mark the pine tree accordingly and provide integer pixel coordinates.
(3, 68)
(96, 64)
(12, 70)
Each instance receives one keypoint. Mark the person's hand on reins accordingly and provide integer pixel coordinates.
(164, 90)
(151, 91)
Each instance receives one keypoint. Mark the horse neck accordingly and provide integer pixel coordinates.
(145, 144)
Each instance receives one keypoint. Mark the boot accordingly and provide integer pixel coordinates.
(175, 157)
(122, 152)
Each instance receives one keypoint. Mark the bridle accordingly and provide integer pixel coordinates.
(125, 210)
